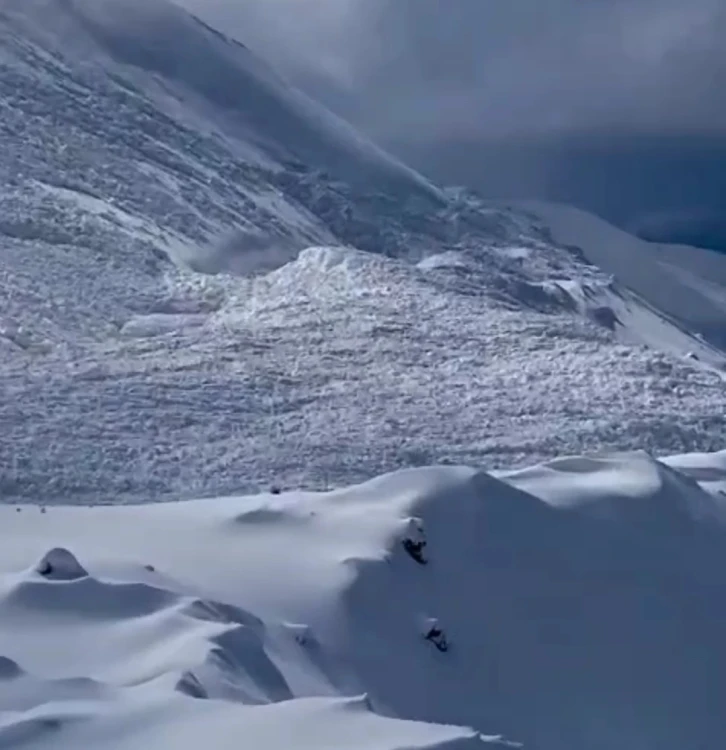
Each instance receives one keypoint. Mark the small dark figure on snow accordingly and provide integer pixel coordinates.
(416, 550)
(435, 634)
(414, 542)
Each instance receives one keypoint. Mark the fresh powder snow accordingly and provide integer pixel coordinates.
(581, 602)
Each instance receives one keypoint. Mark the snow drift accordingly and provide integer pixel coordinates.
(582, 602)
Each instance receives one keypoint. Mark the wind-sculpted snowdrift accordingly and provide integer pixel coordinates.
(581, 603)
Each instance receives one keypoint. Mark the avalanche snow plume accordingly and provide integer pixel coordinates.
(210, 285)
(579, 603)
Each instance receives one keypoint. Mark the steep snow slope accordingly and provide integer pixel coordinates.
(582, 601)
(686, 284)
(155, 38)
(118, 153)
(365, 326)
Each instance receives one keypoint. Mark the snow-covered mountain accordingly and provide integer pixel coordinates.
(209, 285)
(361, 319)
(686, 285)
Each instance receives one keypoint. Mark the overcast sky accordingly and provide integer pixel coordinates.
(493, 67)
(618, 106)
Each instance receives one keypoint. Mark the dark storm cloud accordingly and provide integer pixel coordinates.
(429, 68)
(618, 106)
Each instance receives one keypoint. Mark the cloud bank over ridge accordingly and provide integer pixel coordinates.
(433, 67)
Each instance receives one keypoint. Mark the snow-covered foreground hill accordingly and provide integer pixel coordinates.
(582, 603)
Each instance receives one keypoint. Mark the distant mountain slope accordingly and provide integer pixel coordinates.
(686, 283)
(120, 150)
(151, 38)
(207, 284)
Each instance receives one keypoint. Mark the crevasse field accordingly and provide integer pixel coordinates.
(223, 313)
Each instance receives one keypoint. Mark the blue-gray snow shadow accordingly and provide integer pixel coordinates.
(592, 628)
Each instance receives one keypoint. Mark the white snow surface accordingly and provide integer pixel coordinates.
(209, 286)
(582, 599)
(338, 366)
(685, 284)
(330, 331)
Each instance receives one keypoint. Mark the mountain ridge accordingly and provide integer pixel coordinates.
(158, 270)
(159, 37)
